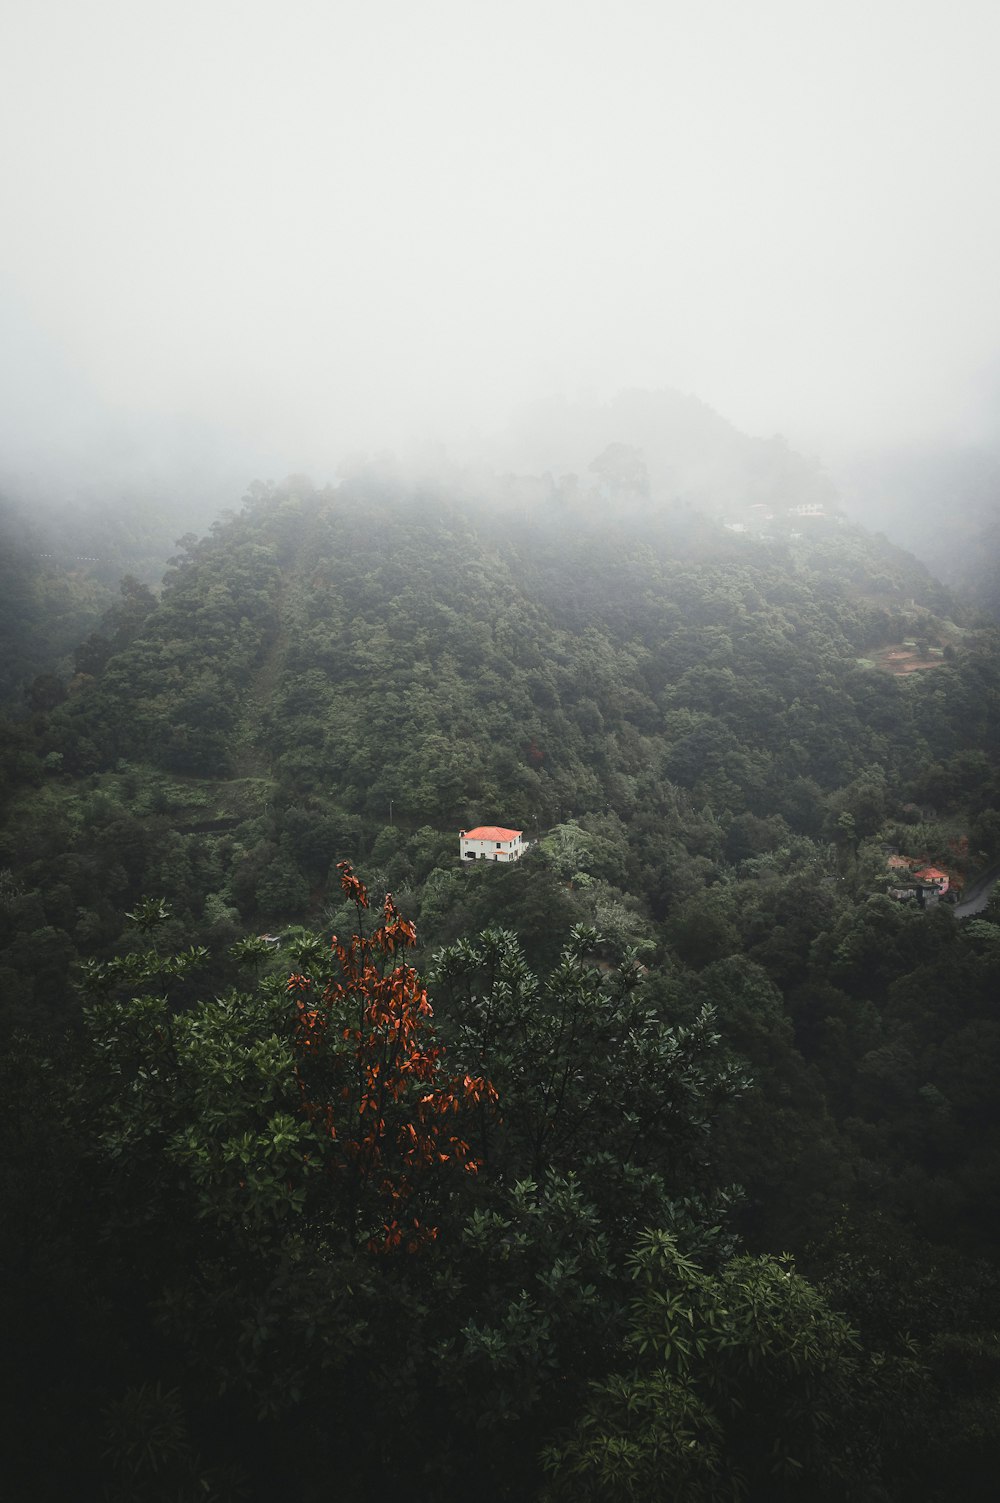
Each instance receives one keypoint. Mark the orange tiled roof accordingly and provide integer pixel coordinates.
(490, 832)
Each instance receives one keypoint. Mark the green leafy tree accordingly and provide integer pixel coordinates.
(589, 1074)
(743, 1384)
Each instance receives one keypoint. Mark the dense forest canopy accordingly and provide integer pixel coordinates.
(660, 1163)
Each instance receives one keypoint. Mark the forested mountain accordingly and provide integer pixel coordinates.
(941, 502)
(688, 450)
(313, 1239)
(63, 568)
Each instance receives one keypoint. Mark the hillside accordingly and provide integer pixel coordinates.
(377, 658)
(942, 503)
(708, 737)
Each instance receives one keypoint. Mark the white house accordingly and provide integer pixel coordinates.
(490, 843)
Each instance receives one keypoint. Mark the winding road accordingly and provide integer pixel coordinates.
(978, 895)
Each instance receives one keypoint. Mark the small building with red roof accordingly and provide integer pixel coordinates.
(931, 876)
(491, 843)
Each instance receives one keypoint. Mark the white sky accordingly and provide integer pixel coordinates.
(318, 224)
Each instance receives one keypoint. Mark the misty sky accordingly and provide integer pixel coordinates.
(314, 225)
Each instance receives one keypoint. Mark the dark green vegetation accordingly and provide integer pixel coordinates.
(714, 1038)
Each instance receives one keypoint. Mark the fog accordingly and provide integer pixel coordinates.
(268, 234)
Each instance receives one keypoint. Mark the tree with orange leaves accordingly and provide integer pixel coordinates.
(370, 1075)
(272, 1157)
(327, 1102)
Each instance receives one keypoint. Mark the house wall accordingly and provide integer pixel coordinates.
(491, 850)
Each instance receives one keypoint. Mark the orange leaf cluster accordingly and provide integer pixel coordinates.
(375, 1079)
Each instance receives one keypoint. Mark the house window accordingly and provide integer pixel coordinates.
(498, 845)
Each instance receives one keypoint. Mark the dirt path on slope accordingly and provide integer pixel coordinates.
(251, 759)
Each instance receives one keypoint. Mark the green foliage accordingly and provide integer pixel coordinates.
(745, 1384)
(591, 1073)
(678, 719)
(222, 1181)
(152, 1456)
